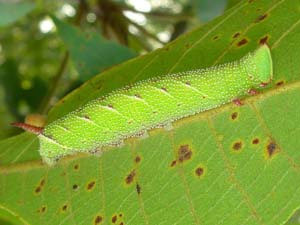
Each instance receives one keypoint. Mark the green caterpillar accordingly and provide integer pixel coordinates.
(133, 110)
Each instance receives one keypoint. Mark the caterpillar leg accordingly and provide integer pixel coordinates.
(237, 102)
(252, 91)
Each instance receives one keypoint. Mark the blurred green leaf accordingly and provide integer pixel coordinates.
(12, 11)
(144, 182)
(206, 10)
(90, 52)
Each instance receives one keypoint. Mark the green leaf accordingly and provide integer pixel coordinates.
(90, 52)
(207, 11)
(230, 165)
(12, 11)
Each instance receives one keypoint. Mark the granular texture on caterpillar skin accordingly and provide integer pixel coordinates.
(152, 103)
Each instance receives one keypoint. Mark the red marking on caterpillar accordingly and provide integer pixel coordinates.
(28, 127)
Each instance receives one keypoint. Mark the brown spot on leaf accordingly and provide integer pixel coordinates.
(76, 167)
(261, 18)
(164, 89)
(114, 219)
(64, 207)
(40, 186)
(255, 141)
(236, 35)
(137, 159)
(184, 153)
(110, 106)
(98, 220)
(75, 186)
(242, 42)
(91, 185)
(199, 171)
(42, 182)
(130, 177)
(42, 209)
(234, 115)
(215, 37)
(237, 146)
(279, 83)
(264, 40)
(138, 188)
(87, 117)
(272, 149)
(38, 190)
(173, 163)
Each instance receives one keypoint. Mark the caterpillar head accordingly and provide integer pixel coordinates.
(263, 61)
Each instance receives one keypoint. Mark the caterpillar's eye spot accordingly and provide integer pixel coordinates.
(75, 187)
(164, 89)
(86, 117)
(110, 106)
(188, 83)
(255, 141)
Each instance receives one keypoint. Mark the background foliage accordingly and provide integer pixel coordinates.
(48, 48)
